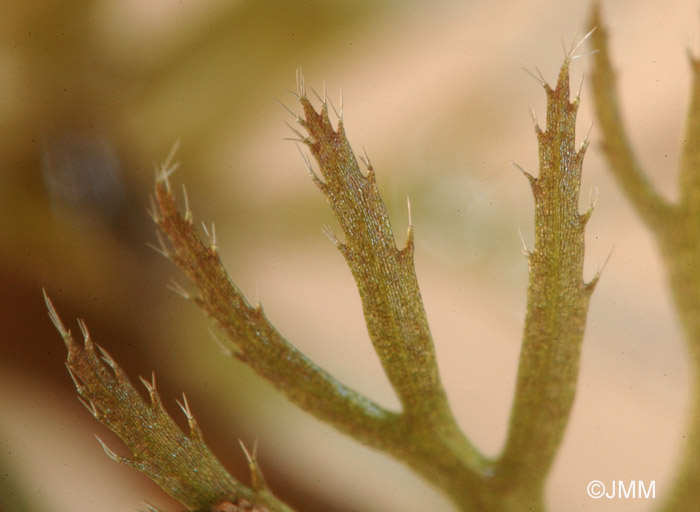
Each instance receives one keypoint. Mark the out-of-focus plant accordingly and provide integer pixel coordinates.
(675, 226)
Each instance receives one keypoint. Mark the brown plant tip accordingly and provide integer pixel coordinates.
(256, 476)
(181, 465)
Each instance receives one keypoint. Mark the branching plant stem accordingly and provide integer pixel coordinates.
(424, 433)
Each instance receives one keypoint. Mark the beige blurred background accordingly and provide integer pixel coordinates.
(94, 92)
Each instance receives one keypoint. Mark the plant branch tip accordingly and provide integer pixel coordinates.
(563, 44)
(300, 136)
(158, 250)
(164, 172)
(168, 167)
(533, 115)
(188, 212)
(110, 453)
(257, 478)
(250, 457)
(538, 77)
(150, 386)
(153, 211)
(90, 406)
(575, 46)
(285, 107)
(318, 96)
(55, 319)
(599, 272)
(212, 236)
(73, 377)
(173, 151)
(586, 139)
(224, 349)
(524, 248)
(338, 114)
(328, 232)
(580, 86)
(365, 159)
(529, 176)
(162, 250)
(84, 330)
(185, 407)
(410, 217)
(258, 299)
(176, 287)
(301, 88)
(107, 358)
(593, 197)
(592, 52)
(307, 163)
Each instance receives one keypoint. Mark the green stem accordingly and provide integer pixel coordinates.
(556, 307)
(384, 274)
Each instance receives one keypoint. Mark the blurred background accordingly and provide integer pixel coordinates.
(94, 93)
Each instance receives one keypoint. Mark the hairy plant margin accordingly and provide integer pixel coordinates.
(423, 434)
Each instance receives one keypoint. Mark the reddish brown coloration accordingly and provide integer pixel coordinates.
(240, 506)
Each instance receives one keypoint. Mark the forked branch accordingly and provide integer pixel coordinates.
(424, 433)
